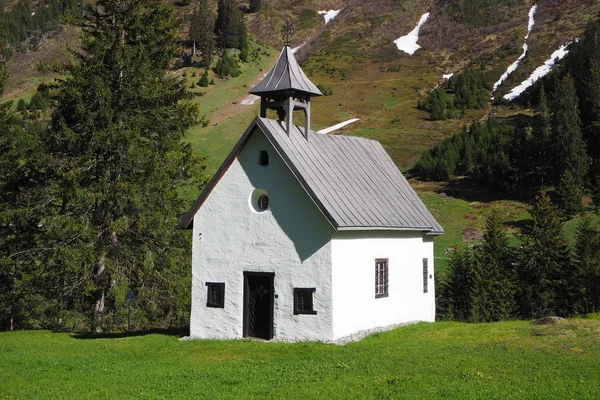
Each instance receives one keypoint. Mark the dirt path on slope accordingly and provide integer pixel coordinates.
(228, 110)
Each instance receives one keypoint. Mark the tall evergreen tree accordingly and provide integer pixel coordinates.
(496, 277)
(229, 27)
(21, 166)
(546, 260)
(569, 194)
(456, 292)
(585, 282)
(568, 147)
(542, 160)
(202, 34)
(116, 137)
(583, 63)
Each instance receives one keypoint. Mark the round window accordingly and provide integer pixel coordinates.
(259, 200)
(263, 202)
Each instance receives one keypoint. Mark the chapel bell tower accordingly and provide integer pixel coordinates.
(285, 89)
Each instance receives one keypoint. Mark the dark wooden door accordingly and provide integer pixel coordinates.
(258, 304)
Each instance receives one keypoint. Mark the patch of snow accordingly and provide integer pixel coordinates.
(295, 49)
(448, 76)
(249, 100)
(338, 126)
(408, 43)
(329, 15)
(512, 67)
(531, 20)
(539, 72)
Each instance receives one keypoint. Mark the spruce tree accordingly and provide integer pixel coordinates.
(229, 27)
(21, 167)
(496, 275)
(202, 34)
(203, 82)
(542, 132)
(116, 136)
(585, 282)
(569, 194)
(457, 289)
(546, 260)
(568, 147)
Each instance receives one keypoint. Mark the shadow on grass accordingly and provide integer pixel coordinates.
(469, 190)
(177, 332)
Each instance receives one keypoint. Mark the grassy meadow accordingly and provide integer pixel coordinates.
(506, 360)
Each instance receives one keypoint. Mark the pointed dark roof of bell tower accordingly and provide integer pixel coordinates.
(286, 76)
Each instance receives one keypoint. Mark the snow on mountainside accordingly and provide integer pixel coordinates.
(338, 126)
(540, 72)
(512, 68)
(329, 15)
(408, 43)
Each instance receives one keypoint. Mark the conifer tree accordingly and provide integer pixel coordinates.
(583, 63)
(229, 27)
(569, 194)
(496, 276)
(546, 260)
(202, 34)
(203, 82)
(568, 147)
(457, 290)
(542, 132)
(116, 136)
(585, 282)
(21, 165)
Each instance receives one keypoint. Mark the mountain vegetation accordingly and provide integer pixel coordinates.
(96, 165)
(90, 215)
(541, 276)
(467, 91)
(24, 25)
(498, 153)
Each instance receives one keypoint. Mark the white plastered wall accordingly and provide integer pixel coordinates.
(291, 239)
(355, 307)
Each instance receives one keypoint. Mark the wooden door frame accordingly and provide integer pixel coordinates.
(271, 276)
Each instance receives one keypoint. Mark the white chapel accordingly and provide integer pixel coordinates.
(305, 236)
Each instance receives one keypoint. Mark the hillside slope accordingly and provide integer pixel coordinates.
(367, 77)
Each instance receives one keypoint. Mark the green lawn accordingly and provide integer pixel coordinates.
(509, 360)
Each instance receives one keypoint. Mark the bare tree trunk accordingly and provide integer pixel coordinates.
(12, 323)
(194, 53)
(98, 279)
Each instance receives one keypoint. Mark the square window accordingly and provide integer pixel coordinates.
(215, 295)
(381, 278)
(263, 158)
(303, 301)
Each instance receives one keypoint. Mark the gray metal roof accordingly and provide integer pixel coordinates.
(285, 75)
(353, 181)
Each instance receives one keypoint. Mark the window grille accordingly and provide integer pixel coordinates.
(303, 301)
(381, 278)
(215, 295)
(425, 275)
